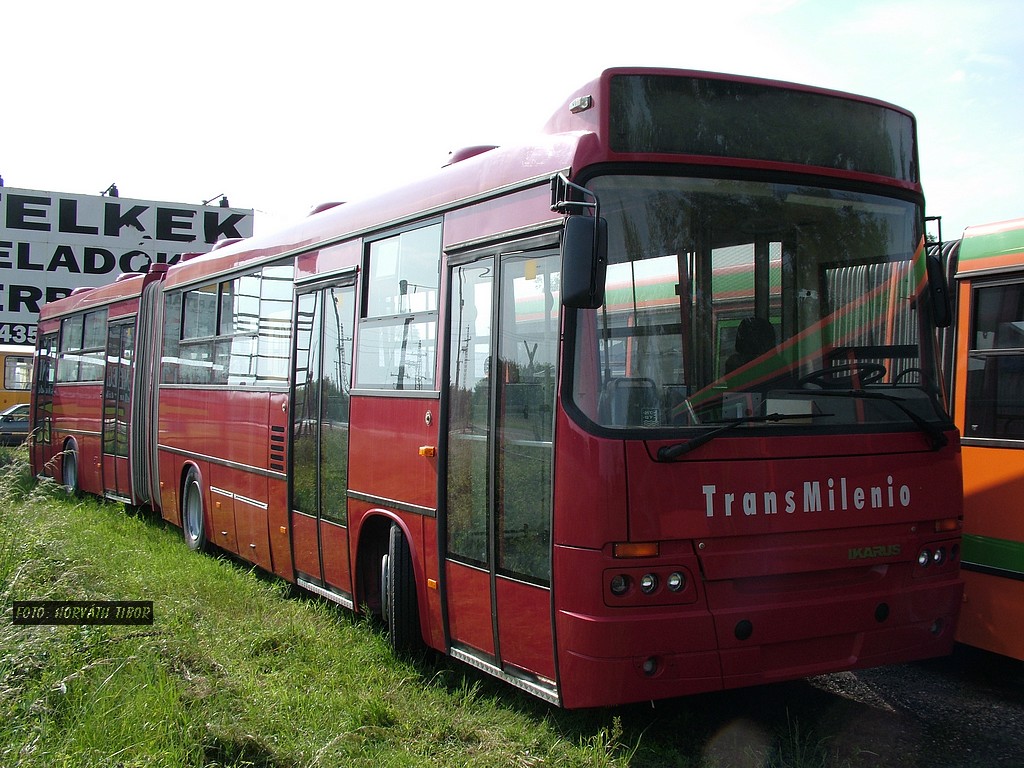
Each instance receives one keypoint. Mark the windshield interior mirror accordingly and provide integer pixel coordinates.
(584, 262)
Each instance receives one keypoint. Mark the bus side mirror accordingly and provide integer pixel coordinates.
(938, 289)
(584, 262)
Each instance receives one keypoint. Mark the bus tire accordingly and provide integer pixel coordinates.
(69, 469)
(193, 512)
(400, 607)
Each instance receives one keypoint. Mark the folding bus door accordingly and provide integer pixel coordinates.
(499, 459)
(117, 411)
(325, 318)
(42, 418)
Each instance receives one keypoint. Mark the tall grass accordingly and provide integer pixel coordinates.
(233, 672)
(238, 671)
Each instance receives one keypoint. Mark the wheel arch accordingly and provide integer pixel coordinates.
(70, 447)
(70, 444)
(187, 468)
(371, 545)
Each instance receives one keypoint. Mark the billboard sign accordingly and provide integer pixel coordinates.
(54, 242)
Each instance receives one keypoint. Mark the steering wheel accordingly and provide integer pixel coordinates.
(908, 372)
(843, 376)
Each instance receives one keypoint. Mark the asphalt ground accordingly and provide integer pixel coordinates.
(961, 711)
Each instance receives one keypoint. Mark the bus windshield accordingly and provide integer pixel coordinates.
(731, 300)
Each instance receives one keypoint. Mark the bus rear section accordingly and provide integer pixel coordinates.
(774, 483)
(92, 414)
(988, 406)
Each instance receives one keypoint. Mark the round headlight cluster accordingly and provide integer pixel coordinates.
(622, 583)
(936, 557)
(619, 584)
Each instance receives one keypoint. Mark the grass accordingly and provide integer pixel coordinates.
(238, 671)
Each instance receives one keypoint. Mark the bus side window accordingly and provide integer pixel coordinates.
(397, 342)
(995, 364)
(17, 373)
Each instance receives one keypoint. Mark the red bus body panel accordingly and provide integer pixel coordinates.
(384, 449)
(470, 620)
(79, 411)
(246, 498)
(783, 573)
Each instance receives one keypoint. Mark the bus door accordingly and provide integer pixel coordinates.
(497, 517)
(117, 410)
(324, 321)
(40, 442)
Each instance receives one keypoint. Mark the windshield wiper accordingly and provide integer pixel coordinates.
(934, 431)
(669, 452)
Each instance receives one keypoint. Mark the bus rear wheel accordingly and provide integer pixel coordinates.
(398, 594)
(193, 513)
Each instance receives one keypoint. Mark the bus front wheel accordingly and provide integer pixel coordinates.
(193, 513)
(398, 594)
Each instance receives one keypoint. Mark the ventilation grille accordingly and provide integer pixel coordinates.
(277, 443)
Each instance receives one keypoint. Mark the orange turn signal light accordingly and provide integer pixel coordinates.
(629, 549)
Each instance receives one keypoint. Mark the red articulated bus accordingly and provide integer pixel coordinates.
(496, 407)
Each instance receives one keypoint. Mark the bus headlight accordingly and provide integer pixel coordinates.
(619, 584)
(648, 586)
(648, 583)
(924, 558)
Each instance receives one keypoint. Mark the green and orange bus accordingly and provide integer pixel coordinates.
(986, 360)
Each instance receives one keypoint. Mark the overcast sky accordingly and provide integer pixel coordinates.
(281, 109)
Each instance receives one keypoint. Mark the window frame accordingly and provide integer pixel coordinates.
(973, 352)
(17, 373)
(379, 324)
(212, 344)
(78, 362)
